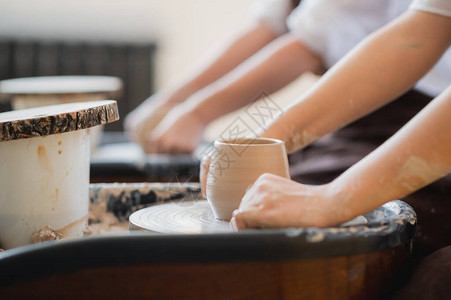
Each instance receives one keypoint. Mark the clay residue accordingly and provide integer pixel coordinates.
(315, 237)
(101, 221)
(351, 103)
(46, 233)
(417, 172)
(54, 200)
(299, 140)
(43, 158)
(359, 220)
(69, 228)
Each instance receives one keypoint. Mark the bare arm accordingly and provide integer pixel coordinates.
(415, 156)
(221, 60)
(267, 71)
(377, 71)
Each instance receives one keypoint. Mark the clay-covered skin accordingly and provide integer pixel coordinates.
(298, 140)
(409, 161)
(378, 70)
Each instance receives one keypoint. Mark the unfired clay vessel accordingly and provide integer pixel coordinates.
(234, 167)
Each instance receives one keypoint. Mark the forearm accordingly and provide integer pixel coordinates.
(221, 59)
(374, 73)
(269, 70)
(414, 157)
(417, 155)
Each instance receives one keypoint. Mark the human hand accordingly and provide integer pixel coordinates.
(143, 119)
(180, 131)
(276, 202)
(204, 168)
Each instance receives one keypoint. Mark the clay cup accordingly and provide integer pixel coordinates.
(234, 167)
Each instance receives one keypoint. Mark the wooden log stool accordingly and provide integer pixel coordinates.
(50, 90)
(44, 174)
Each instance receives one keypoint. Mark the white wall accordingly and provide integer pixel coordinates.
(183, 29)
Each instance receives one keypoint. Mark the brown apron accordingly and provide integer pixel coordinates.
(330, 156)
(431, 279)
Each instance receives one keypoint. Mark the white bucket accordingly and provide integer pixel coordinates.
(44, 181)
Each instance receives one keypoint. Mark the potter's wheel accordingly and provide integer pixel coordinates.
(189, 217)
(186, 217)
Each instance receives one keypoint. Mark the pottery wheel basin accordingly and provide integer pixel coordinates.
(318, 254)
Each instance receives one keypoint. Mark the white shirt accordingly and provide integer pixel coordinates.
(439, 77)
(331, 28)
(273, 12)
(441, 7)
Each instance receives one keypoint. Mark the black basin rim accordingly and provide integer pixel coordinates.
(56, 257)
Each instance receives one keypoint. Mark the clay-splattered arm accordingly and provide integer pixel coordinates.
(414, 157)
(381, 68)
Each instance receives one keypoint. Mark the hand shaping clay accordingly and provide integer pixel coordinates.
(236, 164)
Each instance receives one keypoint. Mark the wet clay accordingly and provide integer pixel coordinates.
(70, 227)
(101, 221)
(46, 233)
